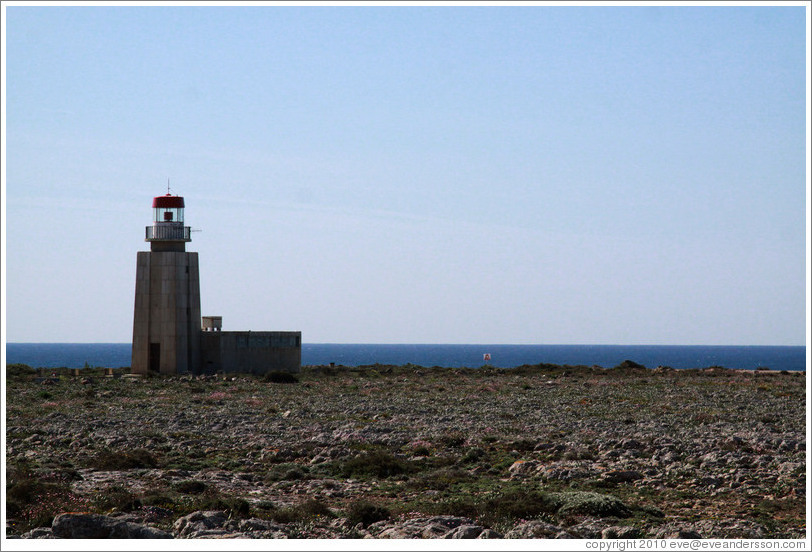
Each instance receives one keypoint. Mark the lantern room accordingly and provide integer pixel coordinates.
(167, 208)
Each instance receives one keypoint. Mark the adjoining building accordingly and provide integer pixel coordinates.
(169, 336)
(250, 352)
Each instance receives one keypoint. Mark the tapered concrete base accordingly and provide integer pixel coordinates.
(166, 325)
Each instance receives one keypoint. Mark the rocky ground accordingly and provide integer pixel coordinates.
(408, 452)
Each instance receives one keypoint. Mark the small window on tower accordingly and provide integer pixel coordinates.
(167, 215)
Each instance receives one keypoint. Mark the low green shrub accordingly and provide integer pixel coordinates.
(63, 474)
(189, 486)
(421, 451)
(158, 497)
(439, 480)
(517, 504)
(19, 371)
(457, 506)
(498, 509)
(123, 460)
(33, 500)
(589, 504)
(366, 513)
(472, 455)
(453, 440)
(232, 506)
(629, 366)
(378, 463)
(116, 498)
(265, 505)
(579, 454)
(287, 471)
(511, 505)
(280, 377)
(307, 511)
(523, 445)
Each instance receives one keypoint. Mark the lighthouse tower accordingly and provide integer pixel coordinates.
(166, 325)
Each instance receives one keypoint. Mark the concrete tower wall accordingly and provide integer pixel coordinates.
(166, 326)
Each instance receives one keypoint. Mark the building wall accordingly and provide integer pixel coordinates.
(210, 360)
(166, 322)
(251, 352)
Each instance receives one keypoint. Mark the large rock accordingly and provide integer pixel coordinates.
(537, 530)
(631, 444)
(618, 532)
(588, 529)
(681, 534)
(731, 529)
(490, 534)
(423, 528)
(621, 476)
(201, 524)
(566, 472)
(38, 533)
(256, 528)
(465, 532)
(523, 468)
(94, 526)
(675, 531)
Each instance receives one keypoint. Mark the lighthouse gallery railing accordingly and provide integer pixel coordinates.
(169, 232)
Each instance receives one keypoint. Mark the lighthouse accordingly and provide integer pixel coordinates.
(169, 335)
(166, 323)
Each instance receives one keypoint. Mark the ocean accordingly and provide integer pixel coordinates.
(116, 355)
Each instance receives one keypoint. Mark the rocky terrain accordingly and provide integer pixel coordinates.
(408, 452)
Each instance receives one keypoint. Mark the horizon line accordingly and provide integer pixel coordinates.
(454, 344)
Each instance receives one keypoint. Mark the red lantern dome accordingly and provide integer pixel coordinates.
(168, 201)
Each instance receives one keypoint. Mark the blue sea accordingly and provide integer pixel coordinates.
(116, 355)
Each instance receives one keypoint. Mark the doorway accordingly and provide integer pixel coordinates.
(155, 357)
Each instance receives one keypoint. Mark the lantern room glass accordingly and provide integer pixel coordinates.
(167, 214)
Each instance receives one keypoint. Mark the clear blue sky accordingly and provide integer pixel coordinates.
(535, 174)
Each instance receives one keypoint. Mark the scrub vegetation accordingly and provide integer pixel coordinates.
(410, 451)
